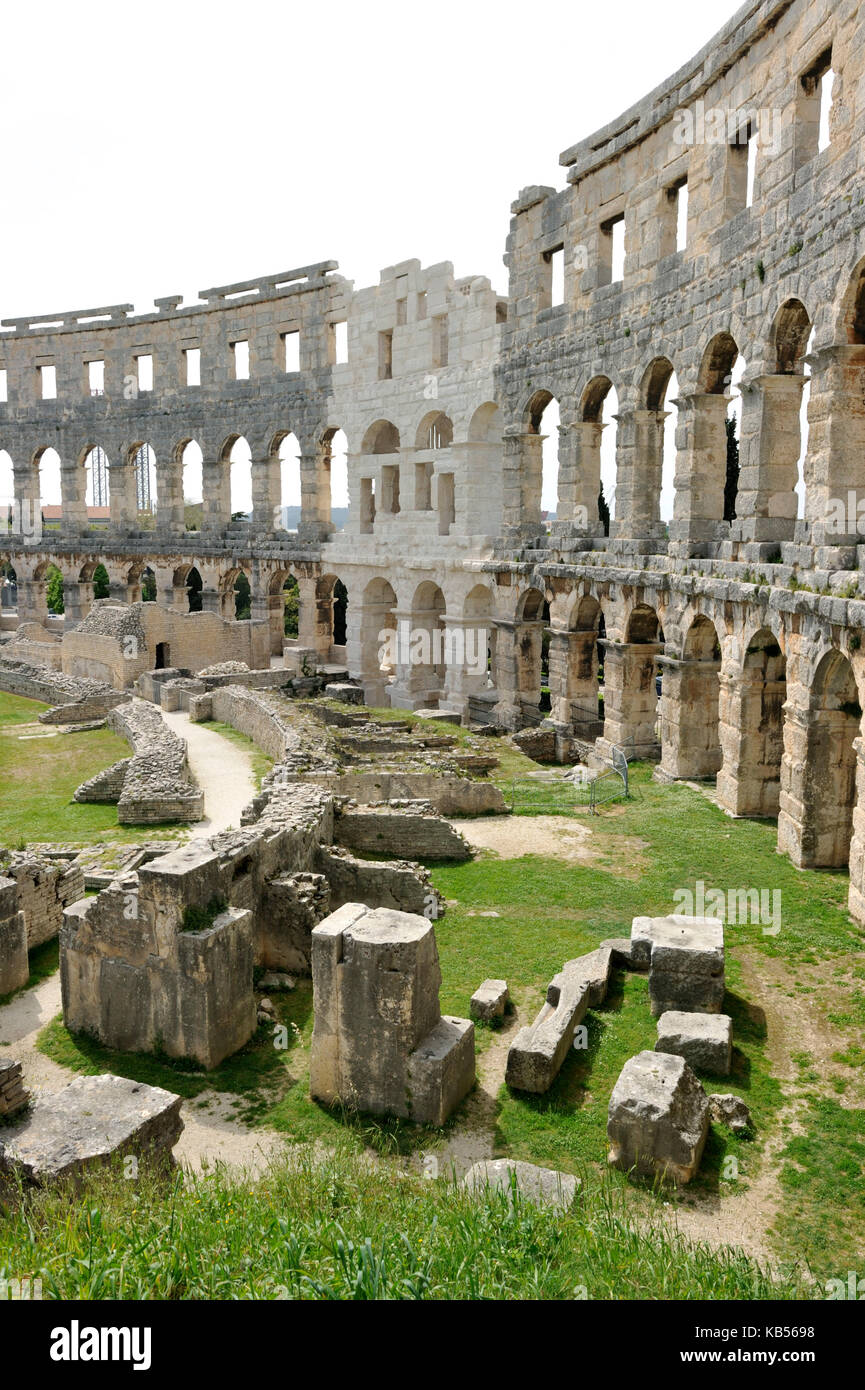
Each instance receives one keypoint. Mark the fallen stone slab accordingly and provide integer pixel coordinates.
(543, 1186)
(704, 1040)
(489, 1001)
(86, 1123)
(658, 1118)
(685, 956)
(727, 1109)
(621, 948)
(539, 1049)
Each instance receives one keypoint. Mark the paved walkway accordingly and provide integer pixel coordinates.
(221, 769)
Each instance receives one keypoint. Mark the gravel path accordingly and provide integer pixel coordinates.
(221, 769)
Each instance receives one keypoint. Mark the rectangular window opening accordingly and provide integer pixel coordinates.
(96, 378)
(144, 366)
(292, 351)
(617, 259)
(4, 385)
(240, 350)
(192, 357)
(681, 194)
(385, 356)
(556, 259)
(340, 339)
(826, 82)
(48, 382)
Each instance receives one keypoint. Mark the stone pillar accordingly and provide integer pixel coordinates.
(574, 682)
(639, 468)
(701, 470)
(630, 698)
(364, 644)
(580, 476)
(315, 519)
(73, 487)
(27, 511)
(170, 515)
(522, 474)
(508, 708)
(211, 600)
(750, 726)
(768, 459)
(690, 743)
(77, 601)
(266, 494)
(216, 488)
(123, 495)
(32, 607)
(856, 892)
(836, 445)
(819, 781)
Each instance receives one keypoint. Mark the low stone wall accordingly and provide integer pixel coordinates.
(247, 712)
(75, 701)
(43, 889)
(407, 831)
(448, 795)
(155, 784)
(14, 967)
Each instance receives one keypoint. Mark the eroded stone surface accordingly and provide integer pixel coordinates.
(704, 1040)
(658, 1117)
(543, 1186)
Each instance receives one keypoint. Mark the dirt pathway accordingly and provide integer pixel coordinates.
(221, 769)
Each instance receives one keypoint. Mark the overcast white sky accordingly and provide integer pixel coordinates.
(162, 149)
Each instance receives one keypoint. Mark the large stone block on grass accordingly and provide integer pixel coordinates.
(658, 1118)
(380, 1044)
(704, 1040)
(538, 1051)
(86, 1123)
(489, 1001)
(685, 956)
(543, 1186)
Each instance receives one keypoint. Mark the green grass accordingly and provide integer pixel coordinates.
(343, 1230)
(40, 775)
(646, 850)
(261, 764)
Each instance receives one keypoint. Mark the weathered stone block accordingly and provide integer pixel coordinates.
(14, 965)
(658, 1117)
(489, 1000)
(379, 1042)
(686, 961)
(86, 1123)
(704, 1040)
(538, 1051)
(730, 1110)
(543, 1186)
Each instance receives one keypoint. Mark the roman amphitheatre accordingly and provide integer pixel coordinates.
(514, 851)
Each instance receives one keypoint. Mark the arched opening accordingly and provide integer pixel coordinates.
(240, 479)
(337, 461)
(435, 431)
(785, 415)
(54, 591)
(194, 586)
(381, 438)
(290, 606)
(163, 656)
(331, 616)
(100, 580)
(854, 316)
(532, 639)
(721, 371)
(581, 682)
(426, 677)
(377, 639)
(97, 490)
(760, 720)
(599, 406)
(144, 466)
(242, 595)
(543, 417)
(654, 493)
(49, 489)
(631, 693)
(148, 585)
(289, 482)
(836, 715)
(190, 459)
(699, 693)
